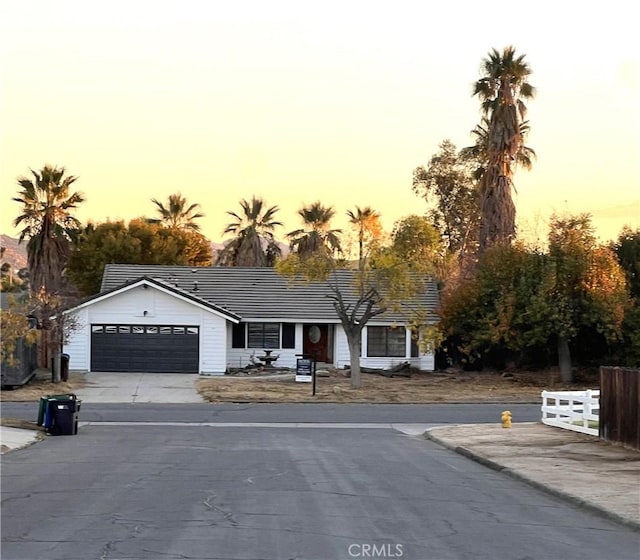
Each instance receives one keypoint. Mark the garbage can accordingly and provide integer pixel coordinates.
(60, 415)
(64, 367)
(44, 412)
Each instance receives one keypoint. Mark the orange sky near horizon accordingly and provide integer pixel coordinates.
(301, 101)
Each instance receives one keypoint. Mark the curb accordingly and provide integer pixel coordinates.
(595, 508)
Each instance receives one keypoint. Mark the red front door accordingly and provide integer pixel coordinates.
(316, 342)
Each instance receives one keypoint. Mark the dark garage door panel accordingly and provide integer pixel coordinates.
(146, 352)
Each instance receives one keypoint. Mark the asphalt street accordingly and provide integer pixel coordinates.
(199, 492)
(256, 412)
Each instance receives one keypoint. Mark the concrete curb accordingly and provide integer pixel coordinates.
(596, 508)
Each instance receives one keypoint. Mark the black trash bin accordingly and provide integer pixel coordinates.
(64, 367)
(61, 415)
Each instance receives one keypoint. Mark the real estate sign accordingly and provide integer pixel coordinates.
(304, 370)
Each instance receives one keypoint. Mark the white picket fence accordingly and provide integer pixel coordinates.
(572, 410)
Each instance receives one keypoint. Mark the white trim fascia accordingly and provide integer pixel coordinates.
(155, 287)
(297, 320)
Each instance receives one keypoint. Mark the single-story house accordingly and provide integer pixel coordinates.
(179, 319)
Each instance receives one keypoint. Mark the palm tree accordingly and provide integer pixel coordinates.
(479, 152)
(367, 223)
(502, 90)
(254, 243)
(318, 238)
(48, 225)
(177, 214)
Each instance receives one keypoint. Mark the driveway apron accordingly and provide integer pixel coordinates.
(139, 388)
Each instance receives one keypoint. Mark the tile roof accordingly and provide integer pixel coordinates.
(256, 293)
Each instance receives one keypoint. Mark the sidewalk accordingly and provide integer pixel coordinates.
(592, 473)
(15, 438)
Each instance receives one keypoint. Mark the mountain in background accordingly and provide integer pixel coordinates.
(14, 253)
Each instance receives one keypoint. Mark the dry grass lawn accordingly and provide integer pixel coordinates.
(419, 388)
(41, 386)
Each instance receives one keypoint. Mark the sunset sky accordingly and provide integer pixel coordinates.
(299, 101)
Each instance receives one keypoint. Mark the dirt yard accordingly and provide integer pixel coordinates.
(418, 388)
(333, 386)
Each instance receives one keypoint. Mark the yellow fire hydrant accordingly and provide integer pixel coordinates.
(506, 419)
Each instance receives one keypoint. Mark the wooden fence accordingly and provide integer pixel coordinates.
(620, 405)
(571, 410)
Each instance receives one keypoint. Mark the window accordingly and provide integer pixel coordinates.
(263, 335)
(288, 335)
(415, 350)
(386, 341)
(238, 335)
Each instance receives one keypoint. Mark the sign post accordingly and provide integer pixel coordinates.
(306, 371)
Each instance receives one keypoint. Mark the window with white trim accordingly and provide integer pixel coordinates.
(386, 342)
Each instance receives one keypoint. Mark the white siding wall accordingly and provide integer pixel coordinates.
(213, 343)
(161, 309)
(78, 345)
(241, 357)
(424, 362)
(342, 357)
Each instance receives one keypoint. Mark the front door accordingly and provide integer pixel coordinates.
(316, 342)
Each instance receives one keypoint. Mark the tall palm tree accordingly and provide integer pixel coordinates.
(479, 152)
(48, 225)
(367, 223)
(178, 214)
(502, 90)
(254, 243)
(317, 238)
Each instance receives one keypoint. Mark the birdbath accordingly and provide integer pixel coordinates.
(268, 359)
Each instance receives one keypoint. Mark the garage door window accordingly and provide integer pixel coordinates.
(142, 329)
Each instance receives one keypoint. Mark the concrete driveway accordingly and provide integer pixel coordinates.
(139, 388)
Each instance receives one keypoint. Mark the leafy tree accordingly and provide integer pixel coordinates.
(627, 249)
(366, 222)
(522, 300)
(502, 90)
(178, 214)
(590, 288)
(416, 240)
(449, 187)
(318, 237)
(139, 242)
(48, 224)
(254, 243)
(14, 324)
(9, 282)
(382, 281)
